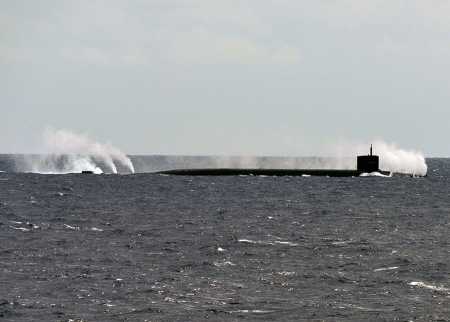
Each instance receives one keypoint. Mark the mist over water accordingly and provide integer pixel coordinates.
(399, 160)
(392, 157)
(69, 152)
(341, 156)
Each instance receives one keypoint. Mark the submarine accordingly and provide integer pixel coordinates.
(365, 164)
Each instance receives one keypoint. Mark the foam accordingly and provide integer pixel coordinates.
(385, 269)
(375, 174)
(429, 286)
(261, 242)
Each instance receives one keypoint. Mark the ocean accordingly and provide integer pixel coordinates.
(147, 247)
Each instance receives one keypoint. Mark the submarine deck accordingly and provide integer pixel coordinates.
(266, 172)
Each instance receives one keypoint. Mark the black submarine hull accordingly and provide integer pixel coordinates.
(365, 164)
(267, 172)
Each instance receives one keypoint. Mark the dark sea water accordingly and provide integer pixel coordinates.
(149, 247)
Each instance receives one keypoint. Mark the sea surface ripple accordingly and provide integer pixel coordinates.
(150, 247)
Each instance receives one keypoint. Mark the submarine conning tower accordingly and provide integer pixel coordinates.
(368, 163)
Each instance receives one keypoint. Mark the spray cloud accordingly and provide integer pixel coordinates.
(392, 158)
(395, 159)
(341, 155)
(68, 152)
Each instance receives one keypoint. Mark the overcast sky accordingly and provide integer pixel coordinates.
(226, 77)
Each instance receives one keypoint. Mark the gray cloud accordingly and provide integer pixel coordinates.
(227, 77)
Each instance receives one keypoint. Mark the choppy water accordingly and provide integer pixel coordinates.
(160, 248)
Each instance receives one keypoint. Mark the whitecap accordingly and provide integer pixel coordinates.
(429, 286)
(261, 242)
(362, 308)
(249, 241)
(71, 227)
(285, 243)
(224, 263)
(341, 242)
(385, 269)
(252, 311)
(375, 174)
(20, 228)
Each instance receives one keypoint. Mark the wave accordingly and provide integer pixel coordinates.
(375, 174)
